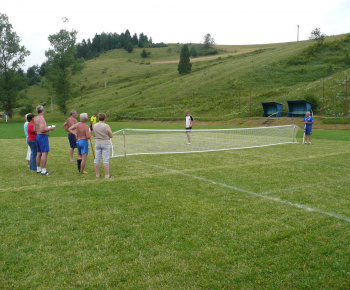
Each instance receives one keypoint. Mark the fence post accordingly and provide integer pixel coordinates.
(250, 102)
(323, 98)
(346, 96)
(239, 100)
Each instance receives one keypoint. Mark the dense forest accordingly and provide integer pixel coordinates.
(88, 49)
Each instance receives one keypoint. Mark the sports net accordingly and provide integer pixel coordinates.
(157, 141)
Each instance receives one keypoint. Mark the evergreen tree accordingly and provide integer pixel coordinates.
(96, 43)
(143, 53)
(129, 47)
(134, 39)
(185, 65)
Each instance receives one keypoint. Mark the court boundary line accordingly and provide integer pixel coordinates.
(264, 196)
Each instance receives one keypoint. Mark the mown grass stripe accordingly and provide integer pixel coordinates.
(297, 205)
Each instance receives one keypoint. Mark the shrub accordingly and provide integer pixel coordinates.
(143, 53)
(313, 100)
(27, 109)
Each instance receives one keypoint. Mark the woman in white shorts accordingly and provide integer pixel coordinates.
(102, 133)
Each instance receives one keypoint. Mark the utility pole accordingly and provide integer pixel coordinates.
(298, 33)
(346, 96)
(239, 100)
(323, 97)
(250, 102)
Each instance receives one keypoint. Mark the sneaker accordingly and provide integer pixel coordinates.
(47, 173)
(189, 143)
(98, 176)
(84, 172)
(38, 172)
(111, 176)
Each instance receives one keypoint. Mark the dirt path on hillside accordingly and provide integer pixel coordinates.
(204, 58)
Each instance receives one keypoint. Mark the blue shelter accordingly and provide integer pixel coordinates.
(298, 108)
(272, 108)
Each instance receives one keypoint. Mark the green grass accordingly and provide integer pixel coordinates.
(273, 217)
(147, 88)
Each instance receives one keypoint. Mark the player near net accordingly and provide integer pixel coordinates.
(308, 121)
(188, 124)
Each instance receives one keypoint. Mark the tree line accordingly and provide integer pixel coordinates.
(103, 42)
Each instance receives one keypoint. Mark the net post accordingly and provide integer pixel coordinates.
(110, 140)
(294, 135)
(124, 143)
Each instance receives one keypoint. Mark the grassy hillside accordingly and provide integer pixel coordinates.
(152, 87)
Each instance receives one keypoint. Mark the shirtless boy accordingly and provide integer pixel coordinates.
(42, 140)
(82, 132)
(71, 137)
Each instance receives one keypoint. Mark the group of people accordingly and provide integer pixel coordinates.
(79, 133)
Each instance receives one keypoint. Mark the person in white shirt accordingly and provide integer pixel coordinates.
(188, 124)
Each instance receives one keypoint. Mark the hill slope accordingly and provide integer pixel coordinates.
(152, 87)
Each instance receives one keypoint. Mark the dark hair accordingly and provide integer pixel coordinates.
(73, 112)
(101, 116)
(30, 117)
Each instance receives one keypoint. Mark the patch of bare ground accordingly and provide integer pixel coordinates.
(204, 58)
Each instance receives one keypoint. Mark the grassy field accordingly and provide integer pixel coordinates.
(152, 87)
(273, 217)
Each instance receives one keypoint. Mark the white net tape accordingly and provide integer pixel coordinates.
(153, 141)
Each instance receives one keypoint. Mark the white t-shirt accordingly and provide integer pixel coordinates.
(189, 120)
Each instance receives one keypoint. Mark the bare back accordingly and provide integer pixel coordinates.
(40, 125)
(69, 123)
(82, 131)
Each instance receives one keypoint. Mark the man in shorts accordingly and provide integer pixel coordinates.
(188, 125)
(71, 137)
(308, 121)
(42, 140)
(82, 132)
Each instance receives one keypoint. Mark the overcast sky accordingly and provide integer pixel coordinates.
(228, 21)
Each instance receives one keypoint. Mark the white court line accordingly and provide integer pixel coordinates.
(336, 181)
(297, 205)
(324, 165)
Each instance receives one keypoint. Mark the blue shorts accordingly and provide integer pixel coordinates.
(308, 131)
(83, 146)
(72, 140)
(42, 143)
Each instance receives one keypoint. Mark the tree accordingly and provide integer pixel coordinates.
(208, 41)
(134, 39)
(193, 51)
(33, 75)
(129, 47)
(61, 64)
(143, 53)
(317, 35)
(12, 57)
(185, 65)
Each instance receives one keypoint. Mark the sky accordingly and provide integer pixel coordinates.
(231, 22)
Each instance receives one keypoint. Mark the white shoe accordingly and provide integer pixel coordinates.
(189, 143)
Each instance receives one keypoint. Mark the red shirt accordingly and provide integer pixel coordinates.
(31, 134)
